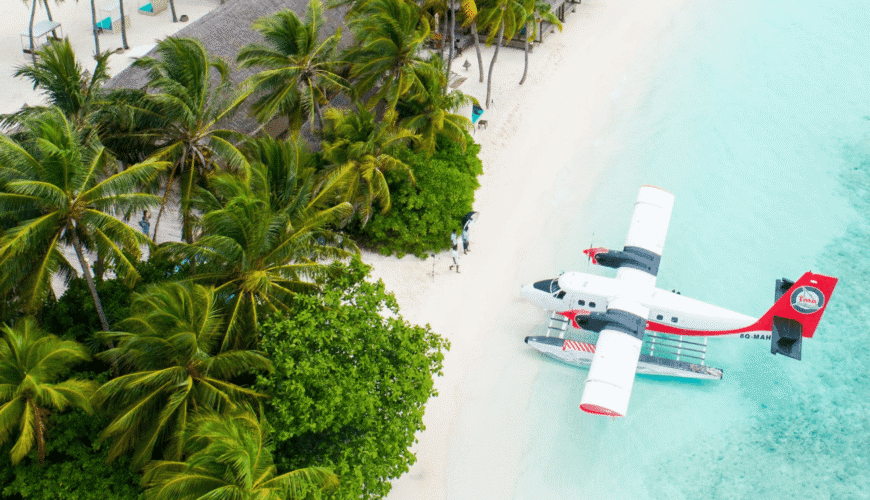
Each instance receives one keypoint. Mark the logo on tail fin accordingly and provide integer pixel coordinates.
(807, 299)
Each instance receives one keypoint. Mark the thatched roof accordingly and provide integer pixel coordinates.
(224, 31)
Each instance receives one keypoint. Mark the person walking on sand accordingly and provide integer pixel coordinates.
(453, 238)
(455, 254)
(145, 223)
(465, 237)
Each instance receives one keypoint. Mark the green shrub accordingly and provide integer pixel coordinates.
(422, 216)
(350, 383)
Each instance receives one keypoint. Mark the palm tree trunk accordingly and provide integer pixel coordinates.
(526, 66)
(319, 115)
(39, 415)
(477, 49)
(86, 270)
(123, 27)
(94, 22)
(452, 35)
(172, 8)
(48, 13)
(163, 204)
(32, 44)
(492, 63)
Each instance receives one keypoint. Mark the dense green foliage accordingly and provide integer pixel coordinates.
(350, 383)
(228, 458)
(169, 347)
(74, 468)
(424, 215)
(33, 368)
(169, 355)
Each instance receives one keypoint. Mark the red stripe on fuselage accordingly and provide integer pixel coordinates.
(673, 330)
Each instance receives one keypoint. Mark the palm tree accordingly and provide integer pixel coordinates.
(391, 33)
(32, 363)
(229, 459)
(60, 190)
(192, 108)
(360, 149)
(535, 12)
(471, 23)
(60, 77)
(168, 345)
(263, 237)
(431, 113)
(503, 18)
(299, 69)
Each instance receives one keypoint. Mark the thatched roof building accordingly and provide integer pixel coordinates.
(224, 31)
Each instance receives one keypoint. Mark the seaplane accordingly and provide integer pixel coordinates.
(634, 327)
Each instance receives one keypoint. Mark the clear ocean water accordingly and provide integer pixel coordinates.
(754, 113)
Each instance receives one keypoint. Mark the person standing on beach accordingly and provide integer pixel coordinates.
(145, 223)
(453, 238)
(455, 254)
(465, 237)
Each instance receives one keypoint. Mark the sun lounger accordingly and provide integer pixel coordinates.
(42, 31)
(153, 7)
(110, 18)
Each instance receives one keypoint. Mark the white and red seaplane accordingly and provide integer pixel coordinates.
(644, 329)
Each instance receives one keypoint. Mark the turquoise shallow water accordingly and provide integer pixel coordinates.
(754, 114)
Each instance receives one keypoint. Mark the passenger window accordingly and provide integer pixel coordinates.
(660, 317)
(560, 295)
(674, 319)
(592, 305)
(581, 302)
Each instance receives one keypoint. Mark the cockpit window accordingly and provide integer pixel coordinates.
(549, 286)
(560, 295)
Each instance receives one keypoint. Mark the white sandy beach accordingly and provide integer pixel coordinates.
(75, 19)
(533, 131)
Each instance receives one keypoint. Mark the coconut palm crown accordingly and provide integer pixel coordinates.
(391, 33)
(170, 348)
(264, 236)
(61, 191)
(299, 69)
(229, 459)
(430, 113)
(192, 107)
(65, 84)
(32, 364)
(360, 149)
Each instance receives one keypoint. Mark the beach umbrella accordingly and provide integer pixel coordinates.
(469, 218)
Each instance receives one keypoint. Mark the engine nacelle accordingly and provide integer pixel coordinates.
(611, 375)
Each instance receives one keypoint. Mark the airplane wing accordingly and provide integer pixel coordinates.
(639, 261)
(611, 376)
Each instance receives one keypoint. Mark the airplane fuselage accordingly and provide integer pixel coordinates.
(669, 312)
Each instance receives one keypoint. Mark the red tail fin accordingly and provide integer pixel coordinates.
(804, 302)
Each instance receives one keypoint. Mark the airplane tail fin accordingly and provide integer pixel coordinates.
(796, 312)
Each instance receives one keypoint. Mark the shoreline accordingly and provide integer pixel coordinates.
(567, 99)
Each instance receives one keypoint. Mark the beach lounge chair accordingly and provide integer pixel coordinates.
(42, 31)
(152, 7)
(110, 18)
